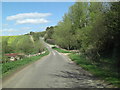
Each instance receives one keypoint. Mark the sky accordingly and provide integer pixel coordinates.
(19, 18)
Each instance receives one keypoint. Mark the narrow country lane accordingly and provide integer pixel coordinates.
(52, 71)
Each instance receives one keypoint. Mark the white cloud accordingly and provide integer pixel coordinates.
(26, 28)
(32, 21)
(28, 15)
(8, 30)
(5, 25)
(42, 27)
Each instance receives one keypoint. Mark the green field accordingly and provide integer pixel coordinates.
(21, 44)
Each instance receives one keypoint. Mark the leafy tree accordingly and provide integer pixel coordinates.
(63, 35)
(91, 27)
(49, 33)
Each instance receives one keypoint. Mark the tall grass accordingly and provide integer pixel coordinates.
(11, 66)
(103, 73)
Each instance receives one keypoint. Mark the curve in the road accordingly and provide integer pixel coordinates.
(52, 71)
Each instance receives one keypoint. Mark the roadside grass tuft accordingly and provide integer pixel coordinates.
(105, 74)
(61, 50)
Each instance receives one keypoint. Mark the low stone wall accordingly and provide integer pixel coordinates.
(30, 55)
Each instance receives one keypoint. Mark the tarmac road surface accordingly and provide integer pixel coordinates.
(52, 71)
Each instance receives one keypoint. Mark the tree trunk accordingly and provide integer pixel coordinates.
(116, 55)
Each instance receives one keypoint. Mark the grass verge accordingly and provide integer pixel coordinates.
(7, 68)
(107, 75)
(61, 50)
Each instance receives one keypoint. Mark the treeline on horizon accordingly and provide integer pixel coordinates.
(90, 27)
(21, 44)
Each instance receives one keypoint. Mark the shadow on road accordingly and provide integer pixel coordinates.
(75, 75)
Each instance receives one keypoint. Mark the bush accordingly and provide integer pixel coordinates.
(50, 41)
(7, 67)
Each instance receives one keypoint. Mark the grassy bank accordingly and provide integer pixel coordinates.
(11, 66)
(105, 74)
(61, 50)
